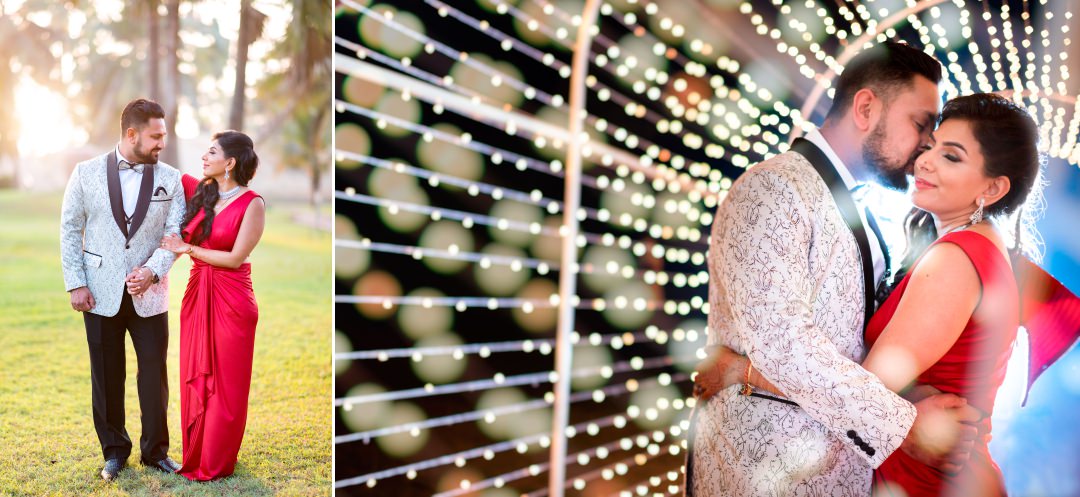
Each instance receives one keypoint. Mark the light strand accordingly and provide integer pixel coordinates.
(469, 219)
(543, 345)
(494, 413)
(454, 54)
(542, 267)
(670, 307)
(502, 381)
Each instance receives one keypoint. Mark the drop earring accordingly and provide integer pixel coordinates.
(977, 216)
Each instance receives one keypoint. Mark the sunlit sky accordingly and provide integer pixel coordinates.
(47, 127)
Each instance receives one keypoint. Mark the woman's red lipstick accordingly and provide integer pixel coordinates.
(922, 184)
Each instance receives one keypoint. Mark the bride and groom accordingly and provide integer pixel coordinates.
(125, 218)
(823, 380)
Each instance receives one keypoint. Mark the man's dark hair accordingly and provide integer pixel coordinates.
(138, 112)
(883, 68)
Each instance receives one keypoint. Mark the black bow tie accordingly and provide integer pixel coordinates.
(134, 167)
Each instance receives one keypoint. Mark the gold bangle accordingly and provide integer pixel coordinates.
(747, 389)
(190, 249)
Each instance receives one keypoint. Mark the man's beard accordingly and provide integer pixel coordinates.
(888, 173)
(143, 156)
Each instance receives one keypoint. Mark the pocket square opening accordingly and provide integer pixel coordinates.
(91, 259)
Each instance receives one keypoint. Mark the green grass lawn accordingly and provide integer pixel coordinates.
(47, 440)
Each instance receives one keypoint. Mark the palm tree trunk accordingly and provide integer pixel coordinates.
(9, 127)
(152, 66)
(274, 124)
(171, 155)
(236, 114)
(316, 149)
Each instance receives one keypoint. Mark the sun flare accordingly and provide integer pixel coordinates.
(45, 125)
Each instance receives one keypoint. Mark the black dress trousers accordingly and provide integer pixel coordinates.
(108, 372)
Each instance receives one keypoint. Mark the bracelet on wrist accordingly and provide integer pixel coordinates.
(747, 389)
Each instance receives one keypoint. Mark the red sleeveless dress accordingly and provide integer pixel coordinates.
(217, 341)
(973, 368)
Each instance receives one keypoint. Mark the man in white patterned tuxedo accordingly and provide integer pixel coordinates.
(793, 274)
(117, 208)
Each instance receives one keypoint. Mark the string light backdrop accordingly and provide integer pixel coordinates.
(475, 353)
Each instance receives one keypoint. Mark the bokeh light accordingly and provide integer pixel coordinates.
(353, 139)
(540, 320)
(404, 444)
(498, 279)
(341, 345)
(629, 309)
(420, 321)
(590, 358)
(449, 236)
(369, 415)
(438, 368)
(348, 262)
(395, 42)
(396, 106)
(377, 283)
(450, 158)
(515, 211)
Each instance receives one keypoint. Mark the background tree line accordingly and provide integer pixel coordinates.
(160, 49)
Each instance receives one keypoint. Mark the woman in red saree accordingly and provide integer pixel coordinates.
(223, 224)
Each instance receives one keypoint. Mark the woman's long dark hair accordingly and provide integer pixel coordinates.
(234, 145)
(1009, 140)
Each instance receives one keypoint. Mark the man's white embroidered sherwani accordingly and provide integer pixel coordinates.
(786, 289)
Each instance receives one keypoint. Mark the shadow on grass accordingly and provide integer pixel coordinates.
(138, 480)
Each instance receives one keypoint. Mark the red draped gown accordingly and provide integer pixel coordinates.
(217, 340)
(973, 368)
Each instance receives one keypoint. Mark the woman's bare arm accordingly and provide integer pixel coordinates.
(941, 295)
(251, 230)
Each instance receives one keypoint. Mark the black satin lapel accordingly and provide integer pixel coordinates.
(846, 204)
(116, 198)
(143, 204)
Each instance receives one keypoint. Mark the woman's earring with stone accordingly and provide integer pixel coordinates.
(976, 217)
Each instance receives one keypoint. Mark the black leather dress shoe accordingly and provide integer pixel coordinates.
(112, 469)
(166, 465)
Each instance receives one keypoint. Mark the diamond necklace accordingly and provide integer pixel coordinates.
(229, 194)
(959, 228)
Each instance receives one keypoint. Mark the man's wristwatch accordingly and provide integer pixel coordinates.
(155, 280)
